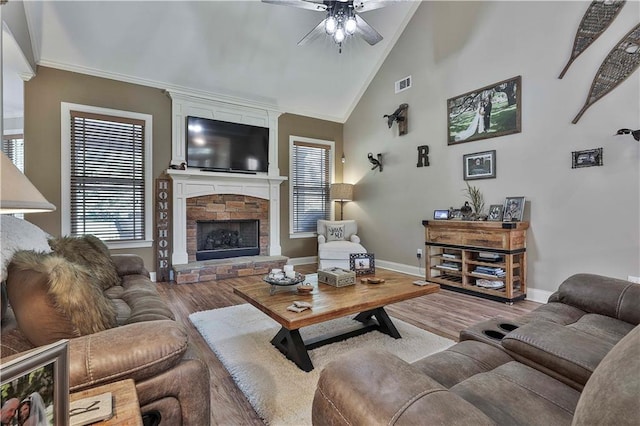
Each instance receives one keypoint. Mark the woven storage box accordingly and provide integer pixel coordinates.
(336, 277)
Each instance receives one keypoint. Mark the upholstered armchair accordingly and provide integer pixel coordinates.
(336, 240)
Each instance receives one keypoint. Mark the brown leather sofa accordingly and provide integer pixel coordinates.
(574, 360)
(147, 345)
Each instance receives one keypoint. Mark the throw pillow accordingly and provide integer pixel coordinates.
(90, 252)
(54, 299)
(17, 234)
(335, 232)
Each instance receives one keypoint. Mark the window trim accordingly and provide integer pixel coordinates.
(331, 145)
(65, 184)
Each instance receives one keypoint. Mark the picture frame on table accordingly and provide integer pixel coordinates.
(586, 158)
(488, 112)
(513, 210)
(479, 165)
(495, 212)
(362, 263)
(39, 379)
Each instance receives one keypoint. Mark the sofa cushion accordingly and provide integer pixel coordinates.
(339, 250)
(54, 299)
(566, 353)
(515, 394)
(90, 252)
(610, 397)
(461, 361)
(597, 294)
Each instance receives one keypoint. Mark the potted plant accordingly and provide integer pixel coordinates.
(477, 201)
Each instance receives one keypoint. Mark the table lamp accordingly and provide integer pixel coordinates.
(17, 193)
(341, 192)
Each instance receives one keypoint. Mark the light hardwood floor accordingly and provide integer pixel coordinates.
(445, 313)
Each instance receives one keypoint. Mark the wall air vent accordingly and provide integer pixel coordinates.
(404, 84)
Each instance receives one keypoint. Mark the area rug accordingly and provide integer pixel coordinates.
(277, 389)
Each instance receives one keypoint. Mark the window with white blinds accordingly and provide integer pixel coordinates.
(13, 147)
(311, 173)
(106, 163)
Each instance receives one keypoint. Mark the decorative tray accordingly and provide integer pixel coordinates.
(284, 281)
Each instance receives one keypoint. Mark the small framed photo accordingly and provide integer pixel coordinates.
(513, 210)
(495, 212)
(362, 263)
(36, 385)
(480, 165)
(441, 214)
(586, 158)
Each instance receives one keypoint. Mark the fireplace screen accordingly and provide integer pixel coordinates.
(220, 239)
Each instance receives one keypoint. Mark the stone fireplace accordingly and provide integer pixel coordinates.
(212, 196)
(221, 226)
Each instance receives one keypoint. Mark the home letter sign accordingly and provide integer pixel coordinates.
(163, 229)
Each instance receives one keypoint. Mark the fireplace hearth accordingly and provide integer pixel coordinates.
(221, 239)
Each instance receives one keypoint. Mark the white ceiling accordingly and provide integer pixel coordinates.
(240, 51)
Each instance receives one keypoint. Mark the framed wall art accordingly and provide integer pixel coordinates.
(362, 263)
(586, 158)
(488, 112)
(513, 210)
(480, 165)
(37, 384)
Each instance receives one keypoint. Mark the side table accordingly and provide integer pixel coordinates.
(126, 407)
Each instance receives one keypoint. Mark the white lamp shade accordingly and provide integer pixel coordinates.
(17, 193)
(341, 192)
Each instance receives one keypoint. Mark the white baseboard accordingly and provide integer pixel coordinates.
(302, 260)
(400, 267)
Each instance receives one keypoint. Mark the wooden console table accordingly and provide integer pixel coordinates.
(457, 251)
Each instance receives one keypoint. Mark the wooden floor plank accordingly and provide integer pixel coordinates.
(445, 313)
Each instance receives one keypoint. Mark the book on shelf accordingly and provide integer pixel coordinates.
(489, 257)
(451, 256)
(451, 267)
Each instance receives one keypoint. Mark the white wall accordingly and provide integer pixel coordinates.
(582, 220)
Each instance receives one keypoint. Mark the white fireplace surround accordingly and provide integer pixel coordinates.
(195, 183)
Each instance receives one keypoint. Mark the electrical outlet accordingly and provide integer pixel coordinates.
(419, 253)
(634, 279)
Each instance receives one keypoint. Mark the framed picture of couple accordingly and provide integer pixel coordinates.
(488, 112)
(34, 387)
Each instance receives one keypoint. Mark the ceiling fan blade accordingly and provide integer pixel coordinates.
(367, 32)
(313, 34)
(365, 6)
(303, 4)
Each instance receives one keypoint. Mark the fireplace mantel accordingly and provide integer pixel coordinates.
(194, 183)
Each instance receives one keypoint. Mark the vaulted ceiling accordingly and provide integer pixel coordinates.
(239, 51)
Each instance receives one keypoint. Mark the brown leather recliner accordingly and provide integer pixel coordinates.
(148, 346)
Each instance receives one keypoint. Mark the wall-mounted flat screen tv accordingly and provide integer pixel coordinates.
(215, 145)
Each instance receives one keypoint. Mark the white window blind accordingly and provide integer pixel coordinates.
(310, 180)
(107, 176)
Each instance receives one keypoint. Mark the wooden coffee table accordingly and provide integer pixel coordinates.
(367, 300)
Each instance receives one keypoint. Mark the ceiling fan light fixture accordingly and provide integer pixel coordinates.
(330, 25)
(351, 25)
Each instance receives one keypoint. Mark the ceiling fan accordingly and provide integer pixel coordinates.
(341, 21)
